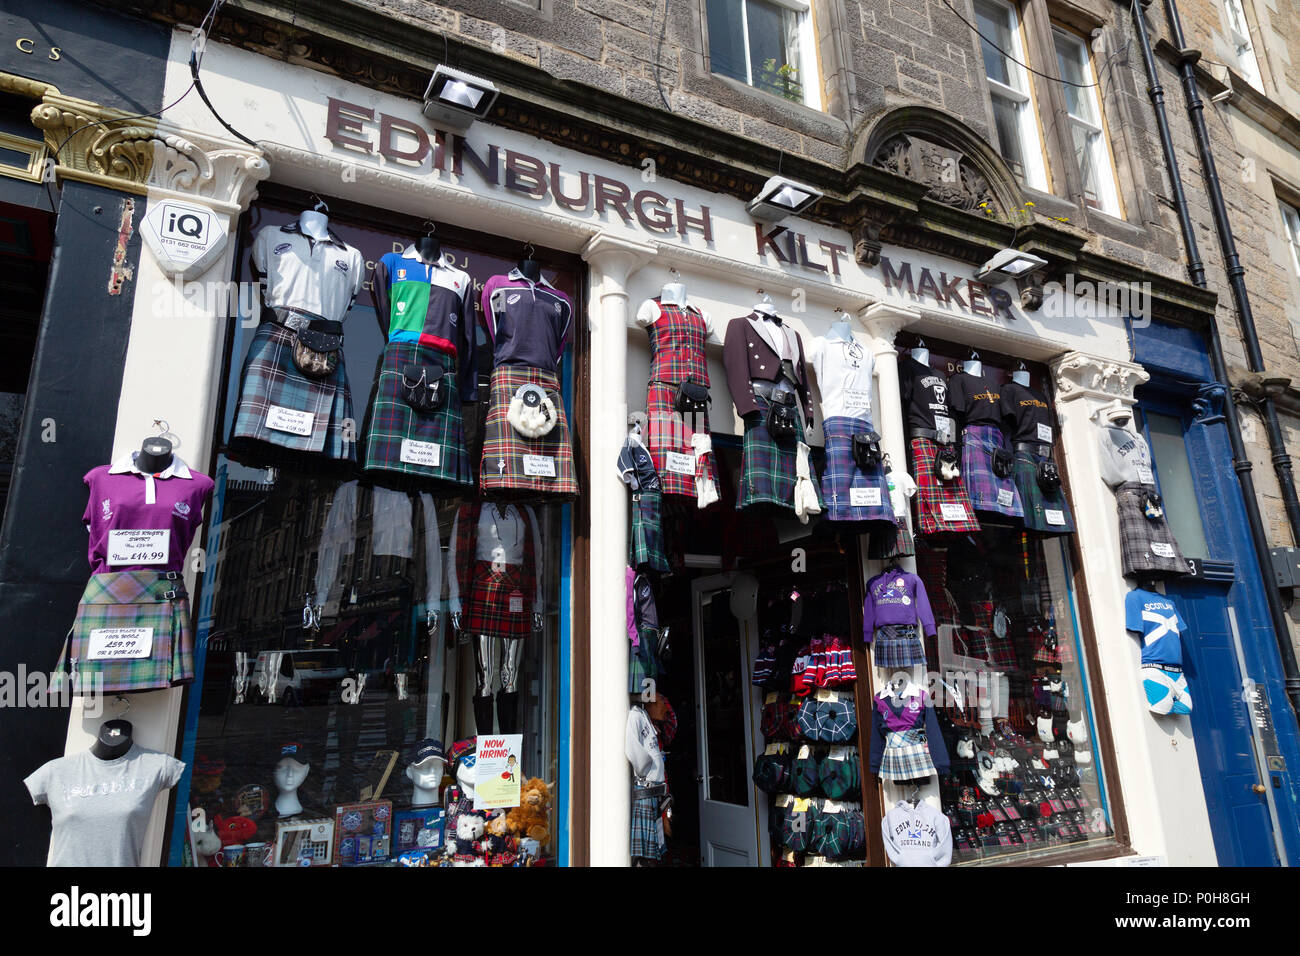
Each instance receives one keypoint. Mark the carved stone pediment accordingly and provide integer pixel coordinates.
(952, 179)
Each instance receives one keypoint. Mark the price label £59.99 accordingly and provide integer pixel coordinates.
(139, 547)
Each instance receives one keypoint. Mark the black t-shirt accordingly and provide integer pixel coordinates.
(974, 400)
(924, 391)
(1027, 415)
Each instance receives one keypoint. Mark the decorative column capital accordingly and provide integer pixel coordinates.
(616, 257)
(1079, 375)
(883, 322)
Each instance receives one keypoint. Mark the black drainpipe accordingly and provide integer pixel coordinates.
(1196, 271)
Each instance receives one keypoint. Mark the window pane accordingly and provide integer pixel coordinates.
(1006, 117)
(727, 39)
(1072, 59)
(1291, 220)
(773, 49)
(993, 25)
(1083, 154)
(1176, 486)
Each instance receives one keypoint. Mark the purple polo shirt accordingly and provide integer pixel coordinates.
(124, 499)
(528, 323)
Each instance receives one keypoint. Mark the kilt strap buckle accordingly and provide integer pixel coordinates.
(169, 575)
(172, 595)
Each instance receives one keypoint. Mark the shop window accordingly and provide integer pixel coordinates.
(1015, 121)
(1087, 126)
(767, 44)
(1291, 223)
(1177, 487)
(1239, 30)
(313, 650)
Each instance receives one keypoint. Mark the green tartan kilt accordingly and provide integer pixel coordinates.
(767, 467)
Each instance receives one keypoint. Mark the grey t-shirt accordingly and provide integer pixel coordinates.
(101, 808)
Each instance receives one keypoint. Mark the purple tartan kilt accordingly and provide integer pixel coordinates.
(138, 599)
(391, 421)
(843, 476)
(270, 378)
(987, 491)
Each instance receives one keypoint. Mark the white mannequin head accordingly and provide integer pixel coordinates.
(289, 776)
(467, 774)
(425, 776)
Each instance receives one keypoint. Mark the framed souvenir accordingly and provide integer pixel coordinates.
(364, 832)
(304, 842)
(418, 829)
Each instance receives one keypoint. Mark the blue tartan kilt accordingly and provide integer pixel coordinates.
(1037, 502)
(767, 467)
(647, 825)
(392, 422)
(987, 491)
(271, 379)
(897, 645)
(843, 476)
(906, 756)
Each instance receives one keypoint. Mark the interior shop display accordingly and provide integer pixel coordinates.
(294, 396)
(942, 501)
(1027, 419)
(425, 309)
(636, 468)
(649, 785)
(677, 395)
(526, 446)
(365, 832)
(986, 460)
(916, 834)
(132, 627)
(906, 741)
(768, 380)
(1156, 619)
(101, 799)
(895, 603)
(1147, 544)
(854, 485)
(495, 590)
(425, 772)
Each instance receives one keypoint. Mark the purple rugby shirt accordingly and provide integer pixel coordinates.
(528, 323)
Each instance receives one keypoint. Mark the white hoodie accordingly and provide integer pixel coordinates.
(642, 748)
(917, 836)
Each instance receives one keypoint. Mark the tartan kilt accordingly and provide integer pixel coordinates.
(668, 430)
(982, 485)
(1139, 535)
(647, 825)
(767, 468)
(1001, 651)
(1038, 502)
(489, 602)
(502, 465)
(270, 378)
(390, 420)
(643, 660)
(897, 645)
(931, 493)
(132, 599)
(906, 756)
(647, 538)
(842, 475)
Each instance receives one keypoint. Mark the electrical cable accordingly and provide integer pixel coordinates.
(659, 45)
(1055, 79)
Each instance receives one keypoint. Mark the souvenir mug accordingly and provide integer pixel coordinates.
(232, 855)
(259, 854)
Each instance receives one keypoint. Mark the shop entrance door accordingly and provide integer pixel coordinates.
(729, 813)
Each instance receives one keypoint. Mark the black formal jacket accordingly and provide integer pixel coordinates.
(748, 358)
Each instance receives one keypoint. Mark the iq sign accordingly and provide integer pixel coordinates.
(185, 237)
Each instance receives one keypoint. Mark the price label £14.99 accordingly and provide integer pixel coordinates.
(145, 546)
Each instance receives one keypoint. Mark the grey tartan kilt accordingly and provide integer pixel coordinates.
(1147, 545)
(647, 824)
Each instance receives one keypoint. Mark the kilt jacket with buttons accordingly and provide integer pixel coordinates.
(749, 357)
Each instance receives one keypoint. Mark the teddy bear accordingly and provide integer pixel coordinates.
(206, 844)
(530, 818)
(499, 847)
(464, 848)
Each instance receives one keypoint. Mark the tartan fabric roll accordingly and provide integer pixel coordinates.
(897, 645)
(1037, 503)
(489, 602)
(767, 468)
(146, 600)
(932, 494)
(504, 449)
(391, 422)
(646, 543)
(271, 380)
(647, 824)
(842, 476)
(985, 489)
(906, 756)
(1147, 545)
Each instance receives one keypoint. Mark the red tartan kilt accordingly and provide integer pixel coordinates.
(668, 430)
(489, 602)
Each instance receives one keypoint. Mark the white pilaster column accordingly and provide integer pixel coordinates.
(611, 261)
(1158, 771)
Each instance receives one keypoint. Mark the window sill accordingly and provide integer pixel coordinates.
(773, 98)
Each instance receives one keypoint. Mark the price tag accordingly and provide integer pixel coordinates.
(825, 694)
(281, 419)
(952, 511)
(539, 466)
(139, 547)
(420, 453)
(1044, 433)
(770, 751)
(119, 643)
(680, 464)
(1005, 497)
(1054, 516)
(771, 698)
(838, 753)
(801, 804)
(857, 400)
(831, 806)
(1161, 549)
(864, 497)
(516, 603)
(1144, 474)
(943, 427)
(804, 752)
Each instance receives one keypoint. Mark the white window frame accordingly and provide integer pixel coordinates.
(1099, 155)
(1239, 31)
(810, 78)
(1031, 145)
(1291, 223)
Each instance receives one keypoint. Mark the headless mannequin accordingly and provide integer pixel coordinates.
(921, 353)
(673, 293)
(841, 329)
(973, 365)
(531, 269)
(314, 223)
(1021, 376)
(429, 249)
(155, 455)
(113, 741)
(765, 307)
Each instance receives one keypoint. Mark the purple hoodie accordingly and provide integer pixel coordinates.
(895, 597)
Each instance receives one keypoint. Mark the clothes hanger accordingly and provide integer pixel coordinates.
(528, 265)
(321, 205)
(428, 245)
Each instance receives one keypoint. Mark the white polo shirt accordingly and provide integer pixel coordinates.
(318, 276)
